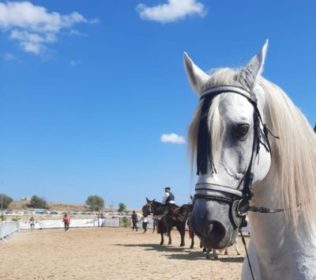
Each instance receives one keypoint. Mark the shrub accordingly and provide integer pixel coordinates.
(124, 222)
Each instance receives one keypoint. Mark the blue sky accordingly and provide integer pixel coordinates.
(94, 98)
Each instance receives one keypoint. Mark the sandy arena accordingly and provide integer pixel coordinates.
(109, 253)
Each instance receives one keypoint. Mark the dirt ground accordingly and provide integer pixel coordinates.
(109, 253)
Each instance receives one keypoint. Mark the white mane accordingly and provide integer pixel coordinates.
(293, 155)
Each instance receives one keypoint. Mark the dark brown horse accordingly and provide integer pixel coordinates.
(167, 217)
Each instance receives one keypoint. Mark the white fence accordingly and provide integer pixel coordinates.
(7, 228)
(46, 224)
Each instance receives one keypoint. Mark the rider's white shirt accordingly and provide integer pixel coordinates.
(165, 197)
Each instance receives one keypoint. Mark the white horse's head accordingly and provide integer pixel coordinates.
(229, 141)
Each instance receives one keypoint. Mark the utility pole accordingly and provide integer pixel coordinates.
(2, 197)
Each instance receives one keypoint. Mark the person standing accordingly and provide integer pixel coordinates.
(134, 221)
(145, 223)
(32, 223)
(66, 220)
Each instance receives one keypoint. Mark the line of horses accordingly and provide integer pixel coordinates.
(167, 217)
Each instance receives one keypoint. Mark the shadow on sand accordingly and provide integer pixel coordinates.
(182, 253)
(156, 247)
(237, 259)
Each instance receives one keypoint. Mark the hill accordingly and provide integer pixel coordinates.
(23, 204)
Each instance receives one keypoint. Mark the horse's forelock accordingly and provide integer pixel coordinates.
(205, 130)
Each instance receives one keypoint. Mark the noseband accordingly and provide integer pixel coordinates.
(238, 198)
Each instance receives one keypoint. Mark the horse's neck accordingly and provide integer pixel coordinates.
(274, 244)
(185, 210)
(159, 209)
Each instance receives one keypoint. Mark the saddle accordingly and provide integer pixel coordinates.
(175, 212)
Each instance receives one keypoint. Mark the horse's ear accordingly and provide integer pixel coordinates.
(196, 76)
(254, 68)
(147, 200)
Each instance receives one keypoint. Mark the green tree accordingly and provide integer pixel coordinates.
(122, 207)
(124, 222)
(38, 202)
(95, 202)
(4, 201)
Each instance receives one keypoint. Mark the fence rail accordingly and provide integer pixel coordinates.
(46, 224)
(8, 228)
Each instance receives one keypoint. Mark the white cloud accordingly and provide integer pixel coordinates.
(33, 27)
(172, 138)
(8, 57)
(75, 63)
(171, 11)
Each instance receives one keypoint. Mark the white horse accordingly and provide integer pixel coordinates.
(241, 166)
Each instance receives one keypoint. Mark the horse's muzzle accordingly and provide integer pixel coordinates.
(210, 221)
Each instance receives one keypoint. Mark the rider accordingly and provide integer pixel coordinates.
(168, 198)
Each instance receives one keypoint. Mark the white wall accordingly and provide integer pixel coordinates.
(7, 228)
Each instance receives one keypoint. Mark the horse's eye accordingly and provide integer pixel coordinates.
(240, 130)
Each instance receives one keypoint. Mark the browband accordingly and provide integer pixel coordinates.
(217, 90)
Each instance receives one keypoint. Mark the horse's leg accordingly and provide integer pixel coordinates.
(169, 235)
(215, 255)
(181, 229)
(211, 251)
(162, 239)
(236, 246)
(191, 234)
(207, 253)
(182, 238)
(205, 250)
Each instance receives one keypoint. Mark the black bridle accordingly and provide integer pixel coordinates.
(147, 209)
(155, 208)
(238, 198)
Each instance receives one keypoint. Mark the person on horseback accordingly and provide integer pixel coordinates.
(168, 198)
(169, 201)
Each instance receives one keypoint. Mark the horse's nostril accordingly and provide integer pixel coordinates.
(215, 233)
(217, 230)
